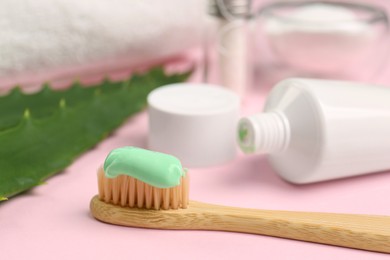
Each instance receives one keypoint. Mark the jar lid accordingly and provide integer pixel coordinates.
(195, 122)
(230, 9)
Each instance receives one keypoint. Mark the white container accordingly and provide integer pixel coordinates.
(316, 130)
(226, 44)
(195, 122)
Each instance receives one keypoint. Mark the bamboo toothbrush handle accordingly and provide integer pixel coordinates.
(348, 230)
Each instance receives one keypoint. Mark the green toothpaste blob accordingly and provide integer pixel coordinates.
(156, 169)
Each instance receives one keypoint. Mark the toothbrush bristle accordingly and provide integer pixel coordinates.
(127, 191)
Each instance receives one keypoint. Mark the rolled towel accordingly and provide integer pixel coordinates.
(39, 36)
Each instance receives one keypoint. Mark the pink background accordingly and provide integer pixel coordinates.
(53, 221)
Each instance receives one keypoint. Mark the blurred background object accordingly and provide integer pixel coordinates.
(322, 39)
(246, 43)
(44, 40)
(227, 44)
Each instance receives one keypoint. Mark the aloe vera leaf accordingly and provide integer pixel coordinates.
(40, 147)
(44, 102)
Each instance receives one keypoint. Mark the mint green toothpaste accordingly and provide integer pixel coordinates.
(156, 169)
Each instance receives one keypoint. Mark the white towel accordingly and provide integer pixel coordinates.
(43, 35)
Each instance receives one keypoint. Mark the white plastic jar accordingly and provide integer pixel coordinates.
(316, 130)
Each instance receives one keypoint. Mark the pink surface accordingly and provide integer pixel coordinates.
(53, 221)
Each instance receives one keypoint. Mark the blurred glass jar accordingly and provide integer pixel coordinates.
(227, 44)
(323, 39)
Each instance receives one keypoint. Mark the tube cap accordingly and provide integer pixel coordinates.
(195, 122)
(263, 133)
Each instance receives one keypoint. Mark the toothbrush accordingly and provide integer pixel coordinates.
(128, 201)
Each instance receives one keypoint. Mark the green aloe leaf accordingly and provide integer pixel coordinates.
(43, 133)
